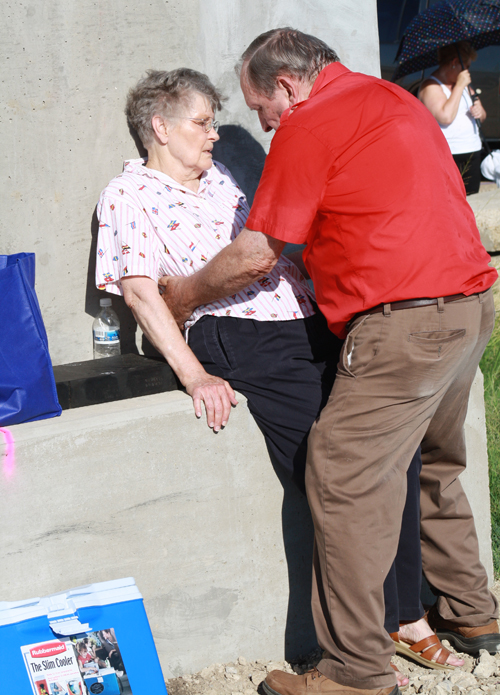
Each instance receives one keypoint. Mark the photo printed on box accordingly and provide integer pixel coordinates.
(85, 664)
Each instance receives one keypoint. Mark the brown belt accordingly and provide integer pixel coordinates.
(408, 304)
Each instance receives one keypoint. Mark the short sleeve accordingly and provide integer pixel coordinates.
(292, 186)
(126, 245)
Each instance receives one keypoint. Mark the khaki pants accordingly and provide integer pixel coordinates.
(403, 378)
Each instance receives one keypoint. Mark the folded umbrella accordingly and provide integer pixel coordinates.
(446, 22)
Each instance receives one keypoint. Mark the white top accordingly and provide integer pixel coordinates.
(151, 225)
(462, 134)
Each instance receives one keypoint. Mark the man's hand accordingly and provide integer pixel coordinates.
(217, 395)
(173, 297)
(246, 259)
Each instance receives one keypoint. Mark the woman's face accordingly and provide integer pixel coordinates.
(188, 143)
(456, 65)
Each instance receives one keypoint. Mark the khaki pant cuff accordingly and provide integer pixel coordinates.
(337, 673)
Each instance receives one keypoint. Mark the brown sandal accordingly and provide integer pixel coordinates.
(423, 651)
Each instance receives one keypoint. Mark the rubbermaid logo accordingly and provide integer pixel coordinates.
(50, 649)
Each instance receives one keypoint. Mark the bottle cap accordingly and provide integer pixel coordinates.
(105, 302)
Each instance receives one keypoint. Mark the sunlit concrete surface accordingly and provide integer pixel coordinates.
(67, 70)
(219, 549)
(486, 207)
(141, 488)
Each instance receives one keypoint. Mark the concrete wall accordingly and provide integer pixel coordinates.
(219, 549)
(67, 68)
(475, 478)
(140, 488)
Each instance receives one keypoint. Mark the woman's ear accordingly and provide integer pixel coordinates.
(159, 126)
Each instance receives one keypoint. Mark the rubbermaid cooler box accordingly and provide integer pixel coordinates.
(92, 640)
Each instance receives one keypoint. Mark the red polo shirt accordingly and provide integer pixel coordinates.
(361, 173)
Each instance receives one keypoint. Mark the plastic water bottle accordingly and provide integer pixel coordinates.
(106, 331)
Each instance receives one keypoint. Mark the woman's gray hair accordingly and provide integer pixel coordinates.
(287, 52)
(161, 93)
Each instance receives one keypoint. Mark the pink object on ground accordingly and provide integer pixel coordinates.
(9, 460)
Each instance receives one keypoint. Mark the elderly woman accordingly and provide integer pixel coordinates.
(169, 215)
(447, 97)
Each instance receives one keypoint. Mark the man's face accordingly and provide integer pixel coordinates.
(269, 110)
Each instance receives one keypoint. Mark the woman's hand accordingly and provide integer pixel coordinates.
(463, 80)
(477, 110)
(174, 298)
(217, 395)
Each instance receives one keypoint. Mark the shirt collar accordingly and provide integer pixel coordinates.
(137, 166)
(325, 77)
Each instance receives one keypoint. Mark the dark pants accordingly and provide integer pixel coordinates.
(286, 370)
(403, 584)
(469, 165)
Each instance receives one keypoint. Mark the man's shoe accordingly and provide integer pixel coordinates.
(466, 639)
(280, 683)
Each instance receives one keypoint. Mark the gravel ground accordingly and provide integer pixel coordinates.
(476, 677)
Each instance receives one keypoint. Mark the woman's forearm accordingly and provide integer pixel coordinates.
(154, 317)
(448, 112)
(159, 327)
(443, 109)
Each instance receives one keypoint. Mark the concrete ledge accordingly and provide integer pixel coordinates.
(219, 549)
(139, 487)
(486, 207)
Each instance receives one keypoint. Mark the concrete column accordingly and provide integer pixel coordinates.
(67, 69)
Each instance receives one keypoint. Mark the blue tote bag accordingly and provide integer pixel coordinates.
(27, 387)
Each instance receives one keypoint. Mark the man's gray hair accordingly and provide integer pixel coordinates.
(161, 93)
(287, 52)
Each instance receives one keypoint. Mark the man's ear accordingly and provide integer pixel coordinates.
(285, 83)
(291, 86)
(159, 126)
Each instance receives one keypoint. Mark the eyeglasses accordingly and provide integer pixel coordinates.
(206, 123)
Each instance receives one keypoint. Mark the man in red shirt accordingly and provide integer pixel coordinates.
(360, 172)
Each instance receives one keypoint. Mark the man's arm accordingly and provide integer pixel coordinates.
(153, 316)
(248, 258)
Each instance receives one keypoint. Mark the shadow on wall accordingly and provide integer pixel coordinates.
(128, 325)
(242, 155)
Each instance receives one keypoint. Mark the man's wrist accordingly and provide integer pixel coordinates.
(189, 288)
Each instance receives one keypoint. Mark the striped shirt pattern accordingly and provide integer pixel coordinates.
(153, 226)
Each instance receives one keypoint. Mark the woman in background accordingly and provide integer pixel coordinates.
(445, 93)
